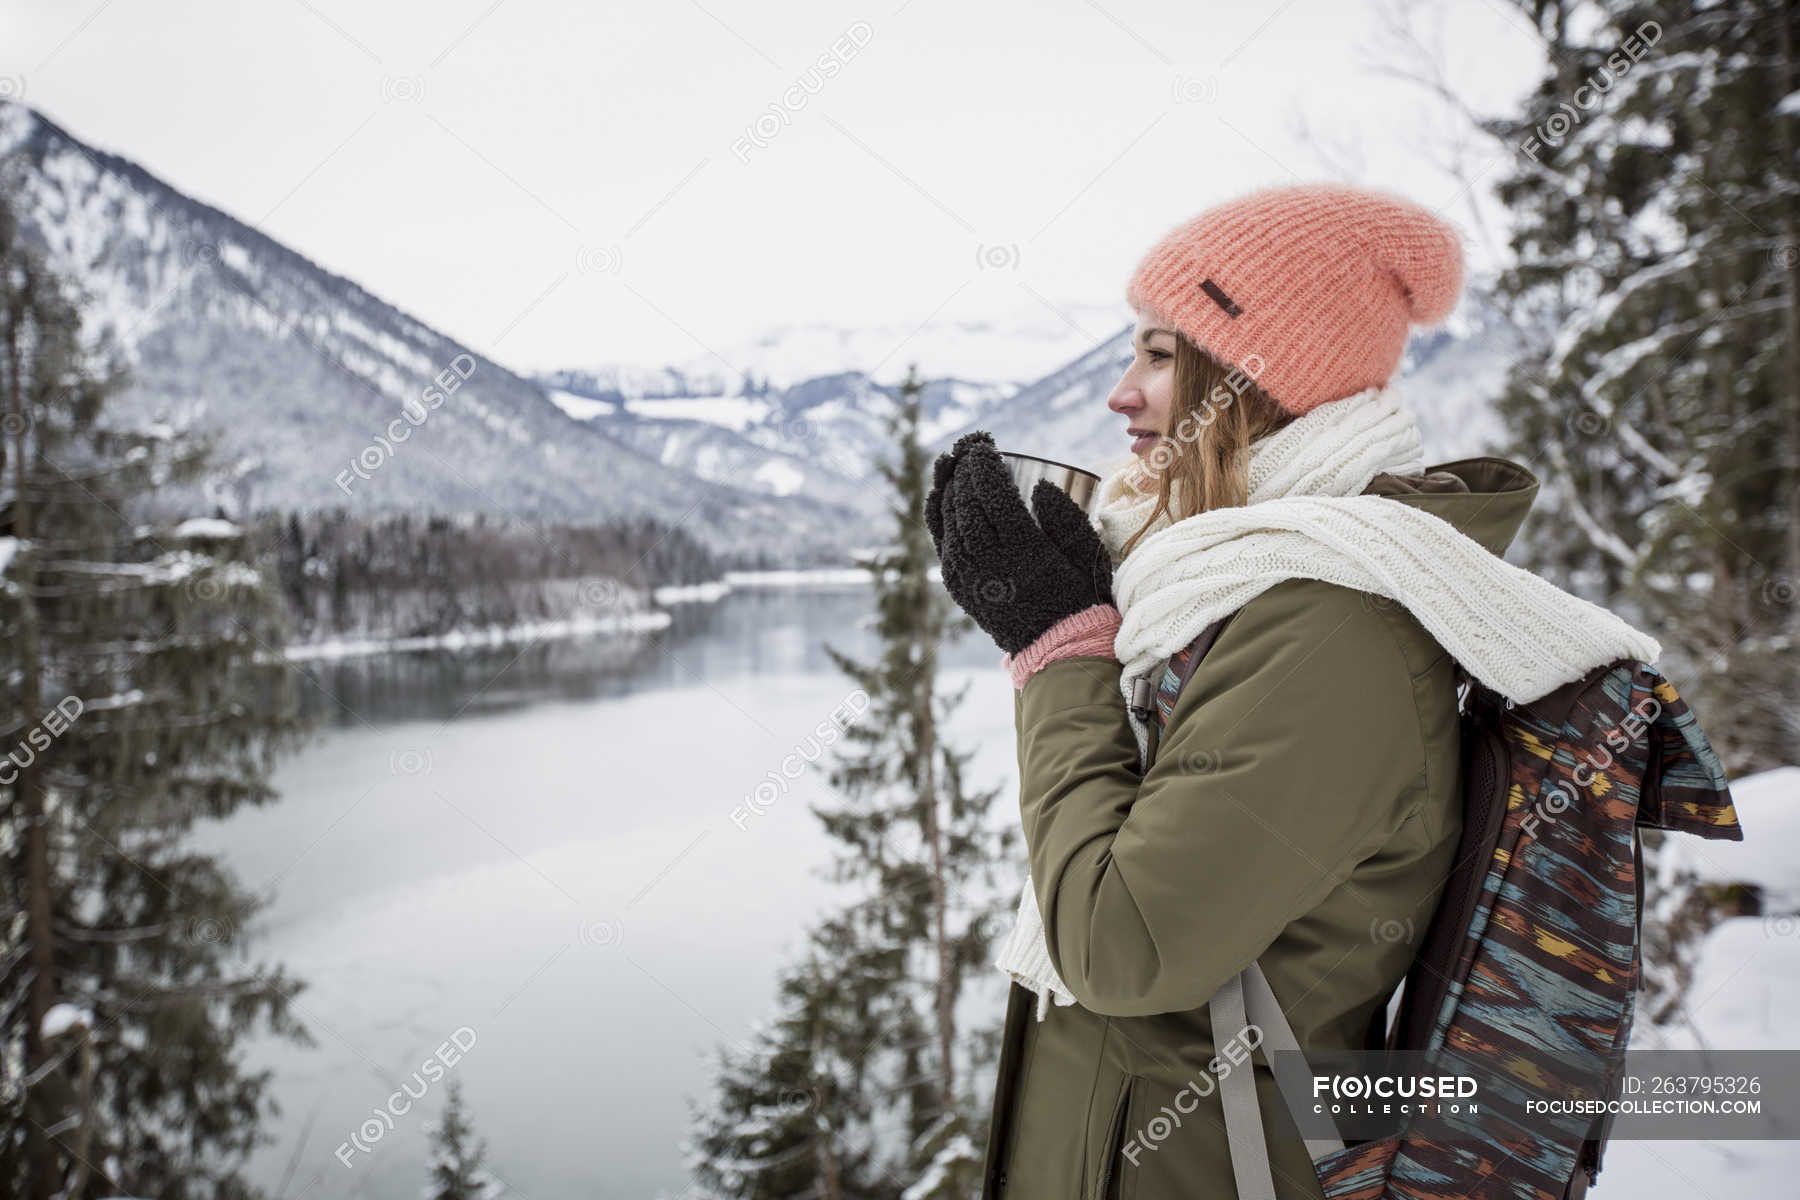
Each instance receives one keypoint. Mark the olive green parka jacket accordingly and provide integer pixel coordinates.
(1302, 809)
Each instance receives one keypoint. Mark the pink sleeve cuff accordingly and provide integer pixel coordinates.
(1090, 631)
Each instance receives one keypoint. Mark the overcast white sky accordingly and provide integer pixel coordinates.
(564, 183)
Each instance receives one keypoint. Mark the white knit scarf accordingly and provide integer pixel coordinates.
(1306, 517)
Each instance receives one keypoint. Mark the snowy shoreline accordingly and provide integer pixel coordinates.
(463, 639)
(637, 622)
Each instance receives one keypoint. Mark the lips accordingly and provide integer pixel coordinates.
(1142, 439)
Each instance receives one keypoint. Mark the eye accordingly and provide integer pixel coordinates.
(1159, 355)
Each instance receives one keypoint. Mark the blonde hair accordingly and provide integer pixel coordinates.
(1204, 454)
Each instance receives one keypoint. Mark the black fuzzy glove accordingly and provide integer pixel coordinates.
(1016, 576)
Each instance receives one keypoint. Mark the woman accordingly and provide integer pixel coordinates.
(1302, 807)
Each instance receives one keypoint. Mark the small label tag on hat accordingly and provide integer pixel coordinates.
(1220, 298)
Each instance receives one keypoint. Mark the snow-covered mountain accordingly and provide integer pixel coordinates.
(306, 379)
(823, 436)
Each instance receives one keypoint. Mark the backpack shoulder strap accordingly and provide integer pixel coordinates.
(1247, 999)
(1151, 702)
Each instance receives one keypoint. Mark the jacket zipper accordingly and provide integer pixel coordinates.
(1115, 1138)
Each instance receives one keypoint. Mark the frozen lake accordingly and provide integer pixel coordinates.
(548, 849)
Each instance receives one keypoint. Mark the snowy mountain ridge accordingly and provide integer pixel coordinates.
(321, 395)
(823, 436)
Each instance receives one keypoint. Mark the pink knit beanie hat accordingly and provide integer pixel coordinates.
(1307, 289)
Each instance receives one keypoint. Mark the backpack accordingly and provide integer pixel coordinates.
(1504, 987)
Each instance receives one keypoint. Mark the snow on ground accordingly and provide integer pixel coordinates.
(782, 477)
(206, 527)
(530, 631)
(1742, 998)
(683, 593)
(736, 413)
(800, 577)
(1768, 807)
(582, 408)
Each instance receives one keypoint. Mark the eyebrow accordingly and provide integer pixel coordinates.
(1146, 334)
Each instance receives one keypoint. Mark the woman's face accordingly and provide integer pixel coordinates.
(1147, 389)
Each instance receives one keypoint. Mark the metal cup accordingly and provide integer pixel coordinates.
(1083, 487)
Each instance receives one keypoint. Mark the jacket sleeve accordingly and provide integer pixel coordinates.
(1293, 754)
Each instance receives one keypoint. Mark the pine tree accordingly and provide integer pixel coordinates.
(139, 697)
(457, 1172)
(911, 831)
(1655, 196)
(791, 1112)
(862, 1088)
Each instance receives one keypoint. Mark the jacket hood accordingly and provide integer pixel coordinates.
(1485, 498)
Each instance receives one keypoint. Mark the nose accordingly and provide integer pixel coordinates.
(1126, 397)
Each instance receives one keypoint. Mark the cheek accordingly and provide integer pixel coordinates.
(1159, 394)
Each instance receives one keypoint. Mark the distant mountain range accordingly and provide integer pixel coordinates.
(821, 436)
(766, 451)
